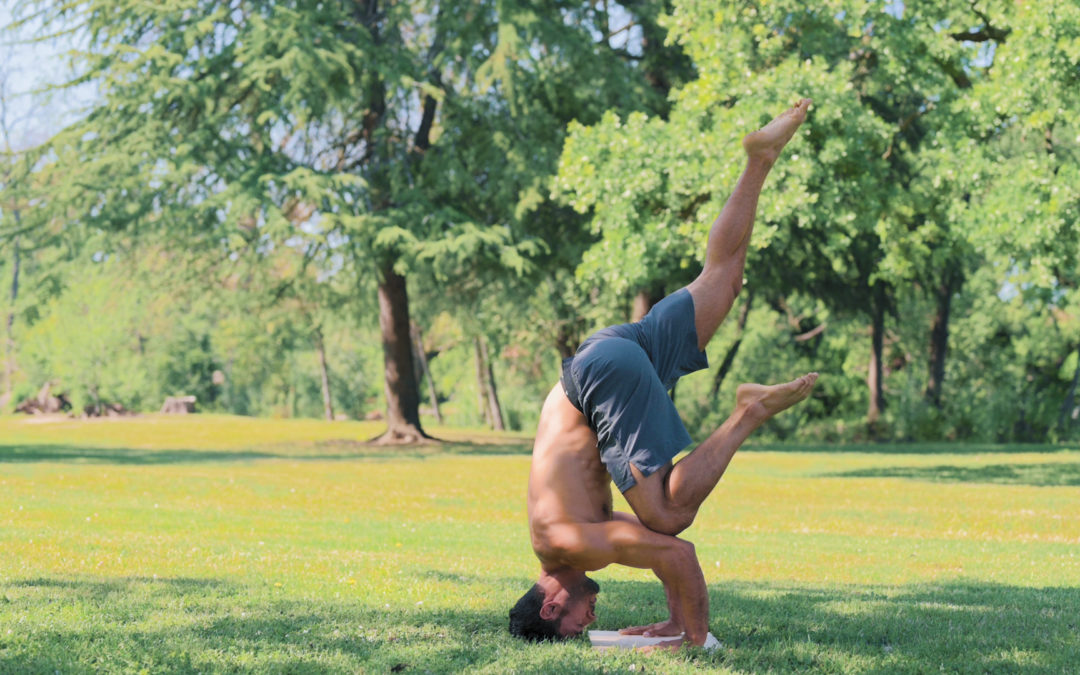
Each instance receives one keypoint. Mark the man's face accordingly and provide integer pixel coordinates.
(579, 610)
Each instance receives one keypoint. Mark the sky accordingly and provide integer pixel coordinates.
(26, 69)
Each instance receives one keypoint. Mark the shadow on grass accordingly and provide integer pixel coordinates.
(913, 448)
(1043, 475)
(208, 625)
(351, 448)
(18, 454)
(187, 625)
(958, 627)
(322, 450)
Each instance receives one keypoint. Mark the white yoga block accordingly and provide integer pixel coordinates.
(605, 639)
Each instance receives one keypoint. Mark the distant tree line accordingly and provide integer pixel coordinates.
(327, 207)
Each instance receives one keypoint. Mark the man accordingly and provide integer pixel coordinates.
(610, 418)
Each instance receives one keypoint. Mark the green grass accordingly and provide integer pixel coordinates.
(220, 544)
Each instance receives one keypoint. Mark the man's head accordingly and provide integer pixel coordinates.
(554, 610)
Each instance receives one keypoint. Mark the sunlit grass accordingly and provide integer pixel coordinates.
(221, 543)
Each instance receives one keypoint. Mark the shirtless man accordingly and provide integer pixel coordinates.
(610, 419)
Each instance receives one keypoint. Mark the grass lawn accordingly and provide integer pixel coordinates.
(224, 544)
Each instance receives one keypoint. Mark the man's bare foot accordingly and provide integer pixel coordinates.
(767, 142)
(759, 402)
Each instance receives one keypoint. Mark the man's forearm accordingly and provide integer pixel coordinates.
(688, 597)
(674, 608)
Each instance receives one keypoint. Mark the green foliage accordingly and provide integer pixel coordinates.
(87, 339)
(1032, 212)
(132, 331)
(417, 136)
(250, 172)
(939, 150)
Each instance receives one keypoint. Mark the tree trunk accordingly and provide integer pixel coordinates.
(494, 408)
(664, 64)
(327, 399)
(729, 358)
(874, 376)
(97, 401)
(1065, 416)
(9, 347)
(402, 394)
(565, 343)
(424, 371)
(644, 300)
(481, 383)
(939, 339)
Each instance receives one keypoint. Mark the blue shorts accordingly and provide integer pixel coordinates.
(619, 379)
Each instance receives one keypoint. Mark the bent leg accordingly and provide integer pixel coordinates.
(720, 280)
(668, 501)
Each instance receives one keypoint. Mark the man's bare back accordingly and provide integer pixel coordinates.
(571, 523)
(567, 481)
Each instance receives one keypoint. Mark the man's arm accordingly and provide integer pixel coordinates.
(592, 546)
(673, 626)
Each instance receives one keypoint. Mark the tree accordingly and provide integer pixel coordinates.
(872, 194)
(18, 238)
(1029, 212)
(397, 127)
(654, 185)
(10, 208)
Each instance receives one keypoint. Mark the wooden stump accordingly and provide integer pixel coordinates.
(178, 405)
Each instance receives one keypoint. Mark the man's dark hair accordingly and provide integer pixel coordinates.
(525, 621)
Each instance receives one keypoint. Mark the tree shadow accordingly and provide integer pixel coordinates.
(913, 448)
(1043, 475)
(317, 451)
(957, 626)
(78, 454)
(211, 625)
(354, 448)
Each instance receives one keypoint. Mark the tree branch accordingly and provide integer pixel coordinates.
(984, 34)
(906, 122)
(620, 30)
(959, 77)
(813, 332)
(422, 140)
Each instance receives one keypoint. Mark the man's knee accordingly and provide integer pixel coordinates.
(715, 289)
(736, 285)
(653, 505)
(729, 280)
(669, 519)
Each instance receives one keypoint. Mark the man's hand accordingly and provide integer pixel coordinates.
(660, 629)
(667, 645)
(625, 541)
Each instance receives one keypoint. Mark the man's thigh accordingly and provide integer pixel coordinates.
(714, 294)
(648, 498)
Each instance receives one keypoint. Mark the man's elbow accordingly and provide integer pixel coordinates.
(564, 543)
(687, 552)
(679, 560)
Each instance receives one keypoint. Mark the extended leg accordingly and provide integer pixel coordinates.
(668, 500)
(720, 280)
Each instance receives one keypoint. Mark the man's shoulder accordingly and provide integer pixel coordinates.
(569, 544)
(553, 534)
(562, 427)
